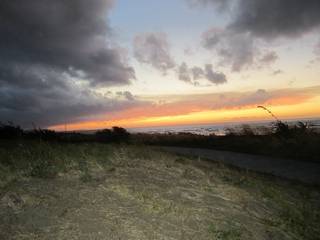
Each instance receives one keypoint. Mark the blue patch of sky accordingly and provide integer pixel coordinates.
(183, 23)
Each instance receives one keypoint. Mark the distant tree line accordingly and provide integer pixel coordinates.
(300, 141)
(13, 132)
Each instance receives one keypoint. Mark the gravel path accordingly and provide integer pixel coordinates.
(303, 171)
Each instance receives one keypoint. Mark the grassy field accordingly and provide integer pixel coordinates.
(104, 191)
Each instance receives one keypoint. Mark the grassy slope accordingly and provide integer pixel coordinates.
(97, 191)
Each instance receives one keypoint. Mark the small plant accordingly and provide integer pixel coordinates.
(271, 113)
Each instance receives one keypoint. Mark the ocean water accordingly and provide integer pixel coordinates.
(217, 129)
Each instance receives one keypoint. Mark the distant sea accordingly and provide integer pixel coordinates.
(217, 129)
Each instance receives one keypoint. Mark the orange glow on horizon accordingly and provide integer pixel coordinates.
(290, 108)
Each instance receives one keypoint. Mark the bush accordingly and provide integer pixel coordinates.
(117, 134)
(10, 131)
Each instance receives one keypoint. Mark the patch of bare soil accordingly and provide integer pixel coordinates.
(139, 196)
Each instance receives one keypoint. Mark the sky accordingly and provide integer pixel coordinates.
(99, 63)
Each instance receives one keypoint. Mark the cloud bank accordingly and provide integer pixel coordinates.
(52, 53)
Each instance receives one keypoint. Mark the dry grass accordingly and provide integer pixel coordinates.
(129, 192)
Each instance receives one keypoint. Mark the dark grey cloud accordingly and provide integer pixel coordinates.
(192, 75)
(270, 18)
(276, 18)
(59, 105)
(154, 49)
(52, 54)
(63, 36)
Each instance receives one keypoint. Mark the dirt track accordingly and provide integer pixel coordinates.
(303, 171)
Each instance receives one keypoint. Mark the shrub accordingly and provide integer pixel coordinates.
(10, 131)
(117, 134)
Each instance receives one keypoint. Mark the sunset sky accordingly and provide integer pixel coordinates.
(99, 63)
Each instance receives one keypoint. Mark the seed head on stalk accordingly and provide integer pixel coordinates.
(266, 109)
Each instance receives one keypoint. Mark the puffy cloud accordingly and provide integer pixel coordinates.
(127, 95)
(184, 73)
(154, 49)
(235, 49)
(52, 53)
(214, 77)
(197, 72)
(191, 75)
(269, 57)
(277, 72)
